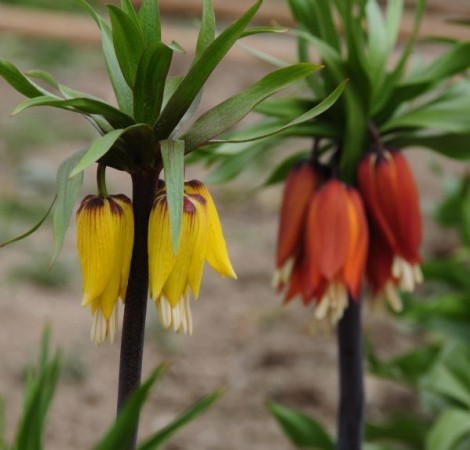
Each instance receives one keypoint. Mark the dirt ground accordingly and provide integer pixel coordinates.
(244, 340)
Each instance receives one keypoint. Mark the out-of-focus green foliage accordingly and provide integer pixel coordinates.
(423, 105)
(41, 383)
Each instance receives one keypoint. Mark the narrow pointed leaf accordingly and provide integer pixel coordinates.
(128, 43)
(128, 8)
(121, 90)
(82, 105)
(149, 17)
(207, 30)
(197, 75)
(162, 436)
(394, 14)
(302, 430)
(306, 117)
(262, 30)
(150, 82)
(67, 190)
(98, 149)
(451, 427)
(231, 111)
(43, 76)
(30, 231)
(122, 429)
(173, 165)
(16, 79)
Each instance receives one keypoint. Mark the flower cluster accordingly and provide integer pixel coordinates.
(331, 235)
(105, 234)
(173, 277)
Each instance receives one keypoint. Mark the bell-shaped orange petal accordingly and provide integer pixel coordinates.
(328, 224)
(353, 272)
(299, 187)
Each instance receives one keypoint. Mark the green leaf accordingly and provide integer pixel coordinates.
(450, 377)
(448, 144)
(173, 165)
(207, 31)
(393, 78)
(128, 8)
(120, 432)
(121, 90)
(262, 30)
(128, 43)
(405, 429)
(228, 113)
(149, 17)
(199, 72)
(16, 79)
(43, 76)
(302, 430)
(162, 436)
(285, 107)
(378, 47)
(150, 82)
(98, 149)
(30, 231)
(40, 388)
(408, 367)
(67, 190)
(452, 426)
(392, 22)
(306, 117)
(446, 115)
(83, 105)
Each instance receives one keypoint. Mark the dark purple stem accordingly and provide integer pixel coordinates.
(351, 379)
(133, 328)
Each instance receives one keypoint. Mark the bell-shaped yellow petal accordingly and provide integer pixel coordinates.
(104, 239)
(161, 257)
(127, 241)
(193, 233)
(216, 248)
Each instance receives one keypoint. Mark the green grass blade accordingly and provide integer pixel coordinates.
(157, 440)
(121, 430)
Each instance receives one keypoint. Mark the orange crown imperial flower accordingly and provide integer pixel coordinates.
(336, 249)
(299, 187)
(389, 191)
(105, 236)
(171, 277)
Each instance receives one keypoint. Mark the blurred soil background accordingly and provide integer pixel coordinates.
(243, 338)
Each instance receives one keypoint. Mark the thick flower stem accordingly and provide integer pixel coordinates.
(351, 383)
(132, 342)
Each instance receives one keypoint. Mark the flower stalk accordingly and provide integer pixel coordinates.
(351, 379)
(133, 328)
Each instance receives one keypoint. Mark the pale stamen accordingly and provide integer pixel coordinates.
(408, 275)
(333, 303)
(178, 318)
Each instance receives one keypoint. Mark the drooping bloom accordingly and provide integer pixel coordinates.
(336, 249)
(172, 277)
(105, 236)
(390, 195)
(380, 278)
(299, 188)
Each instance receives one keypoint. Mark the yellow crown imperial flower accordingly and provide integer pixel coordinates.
(105, 236)
(171, 277)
